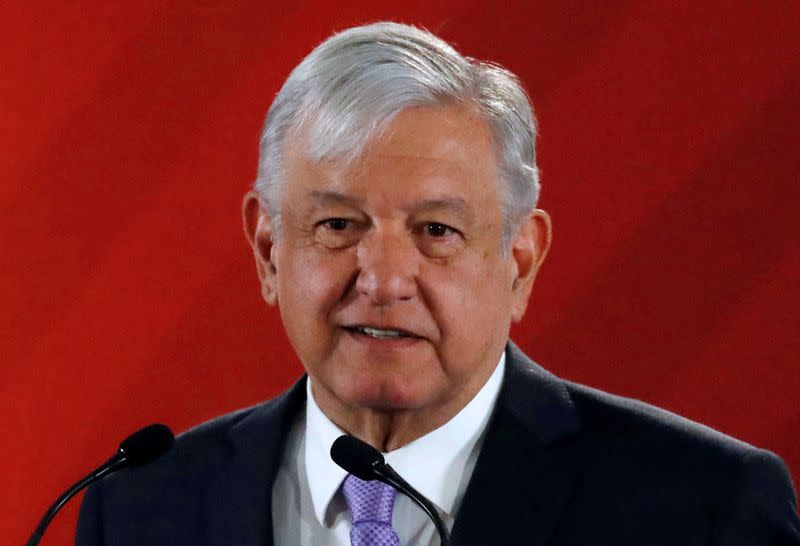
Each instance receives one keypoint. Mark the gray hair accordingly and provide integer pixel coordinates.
(346, 91)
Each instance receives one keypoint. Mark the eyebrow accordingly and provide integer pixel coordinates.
(453, 204)
(324, 197)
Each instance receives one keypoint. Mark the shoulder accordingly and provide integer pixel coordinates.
(612, 425)
(652, 468)
(209, 440)
(620, 440)
(660, 463)
(625, 423)
(215, 464)
(205, 449)
(195, 453)
(224, 455)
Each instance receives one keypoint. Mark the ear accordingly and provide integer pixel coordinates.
(258, 228)
(528, 251)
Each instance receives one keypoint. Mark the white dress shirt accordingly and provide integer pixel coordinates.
(308, 507)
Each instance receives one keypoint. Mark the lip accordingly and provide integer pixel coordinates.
(396, 326)
(369, 341)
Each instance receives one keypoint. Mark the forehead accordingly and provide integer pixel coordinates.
(436, 151)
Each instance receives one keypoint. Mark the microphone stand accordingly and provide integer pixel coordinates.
(389, 476)
(114, 463)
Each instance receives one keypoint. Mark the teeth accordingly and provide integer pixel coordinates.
(382, 334)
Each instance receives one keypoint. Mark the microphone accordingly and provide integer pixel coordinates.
(367, 463)
(141, 447)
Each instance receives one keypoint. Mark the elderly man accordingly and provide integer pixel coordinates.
(394, 224)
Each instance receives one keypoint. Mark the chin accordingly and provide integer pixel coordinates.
(385, 394)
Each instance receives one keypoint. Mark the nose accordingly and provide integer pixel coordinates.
(388, 267)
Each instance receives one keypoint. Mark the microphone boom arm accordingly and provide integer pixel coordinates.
(141, 447)
(387, 475)
(114, 463)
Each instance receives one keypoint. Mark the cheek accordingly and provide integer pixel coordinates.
(468, 300)
(310, 285)
(303, 305)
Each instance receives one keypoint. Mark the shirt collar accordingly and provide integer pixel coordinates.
(437, 478)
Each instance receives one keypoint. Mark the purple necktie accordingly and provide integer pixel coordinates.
(371, 505)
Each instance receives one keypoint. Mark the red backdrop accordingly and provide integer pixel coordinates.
(669, 153)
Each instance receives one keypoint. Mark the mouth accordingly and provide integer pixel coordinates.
(388, 334)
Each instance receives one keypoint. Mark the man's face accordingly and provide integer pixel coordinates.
(389, 272)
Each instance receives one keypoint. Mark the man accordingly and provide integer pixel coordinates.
(394, 224)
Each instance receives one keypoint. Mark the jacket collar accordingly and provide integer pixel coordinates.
(526, 470)
(243, 483)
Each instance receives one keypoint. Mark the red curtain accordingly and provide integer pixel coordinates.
(669, 152)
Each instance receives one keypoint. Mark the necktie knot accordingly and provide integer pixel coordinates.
(371, 504)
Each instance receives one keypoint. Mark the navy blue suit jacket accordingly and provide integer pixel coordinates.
(561, 465)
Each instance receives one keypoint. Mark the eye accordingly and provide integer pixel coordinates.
(437, 230)
(337, 232)
(336, 224)
(438, 240)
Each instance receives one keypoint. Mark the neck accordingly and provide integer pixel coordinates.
(390, 429)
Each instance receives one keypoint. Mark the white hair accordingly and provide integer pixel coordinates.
(348, 89)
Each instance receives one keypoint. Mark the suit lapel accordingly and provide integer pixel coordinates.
(525, 473)
(240, 493)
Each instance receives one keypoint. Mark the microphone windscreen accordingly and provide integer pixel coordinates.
(357, 457)
(147, 444)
